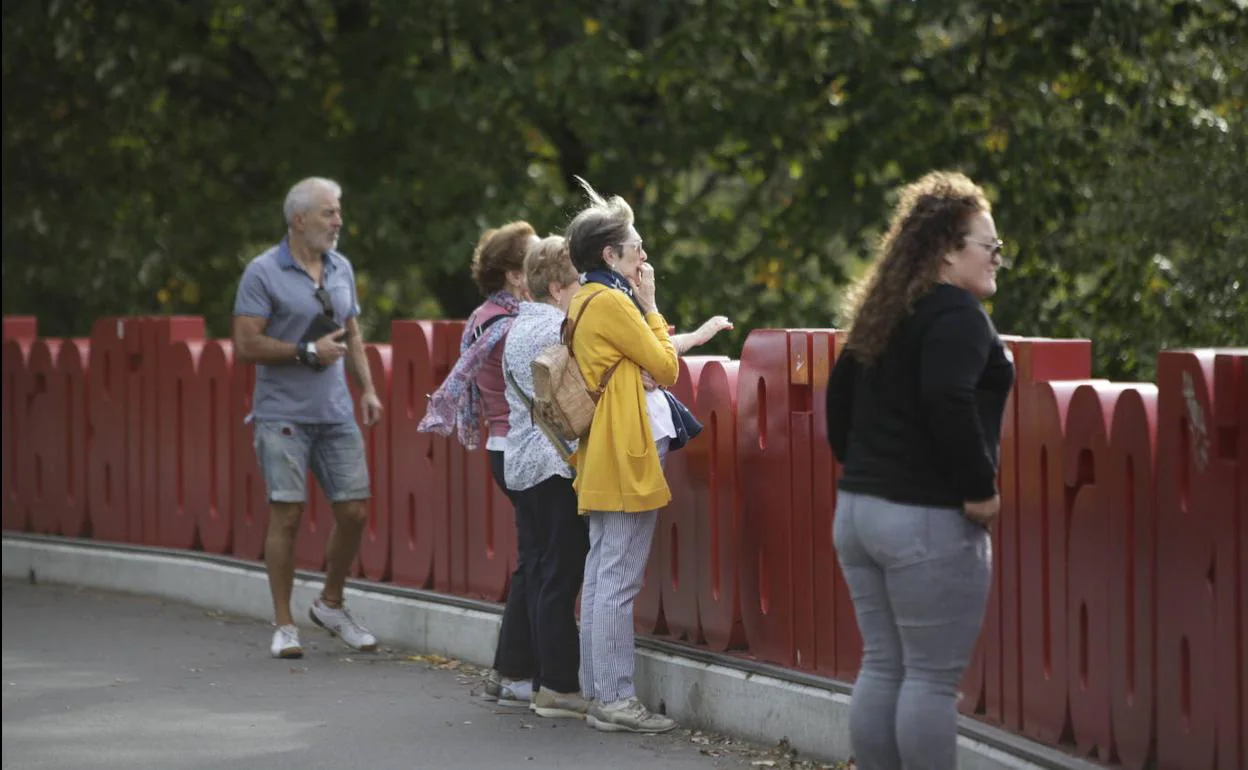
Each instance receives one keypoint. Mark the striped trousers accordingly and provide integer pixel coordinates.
(619, 547)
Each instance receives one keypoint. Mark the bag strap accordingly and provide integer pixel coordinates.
(565, 453)
(487, 323)
(602, 386)
(528, 402)
(570, 329)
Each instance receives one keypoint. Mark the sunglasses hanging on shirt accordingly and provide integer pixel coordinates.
(327, 305)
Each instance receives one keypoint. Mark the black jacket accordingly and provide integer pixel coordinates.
(922, 424)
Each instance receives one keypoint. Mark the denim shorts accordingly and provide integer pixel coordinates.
(335, 452)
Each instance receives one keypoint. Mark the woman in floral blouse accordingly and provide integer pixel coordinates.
(553, 537)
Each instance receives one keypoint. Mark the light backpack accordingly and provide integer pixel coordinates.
(561, 399)
(561, 446)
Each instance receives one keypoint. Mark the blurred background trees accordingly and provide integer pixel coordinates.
(147, 147)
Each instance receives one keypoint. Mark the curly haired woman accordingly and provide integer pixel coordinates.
(473, 395)
(914, 415)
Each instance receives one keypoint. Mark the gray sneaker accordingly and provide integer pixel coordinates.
(493, 686)
(627, 716)
(548, 703)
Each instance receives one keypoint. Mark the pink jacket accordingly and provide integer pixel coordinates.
(490, 379)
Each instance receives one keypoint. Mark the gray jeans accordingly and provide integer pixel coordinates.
(619, 547)
(919, 578)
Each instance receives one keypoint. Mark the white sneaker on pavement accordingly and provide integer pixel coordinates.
(629, 715)
(285, 643)
(338, 622)
(515, 693)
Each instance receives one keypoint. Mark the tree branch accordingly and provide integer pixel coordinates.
(307, 24)
(982, 66)
(351, 15)
(209, 91)
(241, 61)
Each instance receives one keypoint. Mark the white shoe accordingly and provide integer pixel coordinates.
(515, 693)
(629, 715)
(339, 622)
(286, 643)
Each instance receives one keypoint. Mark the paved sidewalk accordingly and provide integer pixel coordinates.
(101, 680)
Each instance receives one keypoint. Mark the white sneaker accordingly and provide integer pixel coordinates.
(286, 643)
(338, 622)
(515, 693)
(629, 715)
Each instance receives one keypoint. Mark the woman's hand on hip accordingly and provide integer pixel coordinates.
(982, 511)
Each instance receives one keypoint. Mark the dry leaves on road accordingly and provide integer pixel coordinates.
(781, 756)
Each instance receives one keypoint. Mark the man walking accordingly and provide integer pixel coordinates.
(295, 317)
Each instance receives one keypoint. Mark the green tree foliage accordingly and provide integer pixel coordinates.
(147, 147)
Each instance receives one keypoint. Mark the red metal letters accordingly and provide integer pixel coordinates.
(1116, 626)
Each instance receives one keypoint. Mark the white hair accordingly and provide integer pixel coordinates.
(300, 197)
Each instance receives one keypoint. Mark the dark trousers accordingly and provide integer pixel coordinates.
(554, 540)
(514, 657)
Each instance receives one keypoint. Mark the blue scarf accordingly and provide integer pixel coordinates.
(687, 426)
(613, 280)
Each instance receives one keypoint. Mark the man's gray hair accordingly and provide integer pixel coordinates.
(300, 197)
(604, 222)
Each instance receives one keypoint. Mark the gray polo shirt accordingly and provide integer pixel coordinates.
(277, 288)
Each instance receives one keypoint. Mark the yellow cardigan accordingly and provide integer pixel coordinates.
(617, 464)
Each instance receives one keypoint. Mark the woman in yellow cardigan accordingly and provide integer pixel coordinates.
(619, 480)
(619, 475)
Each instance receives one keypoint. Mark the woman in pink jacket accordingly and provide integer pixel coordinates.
(473, 394)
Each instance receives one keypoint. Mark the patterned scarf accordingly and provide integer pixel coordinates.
(613, 280)
(456, 404)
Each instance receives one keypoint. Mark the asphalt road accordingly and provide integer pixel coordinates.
(109, 681)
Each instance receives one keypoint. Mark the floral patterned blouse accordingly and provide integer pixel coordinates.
(529, 458)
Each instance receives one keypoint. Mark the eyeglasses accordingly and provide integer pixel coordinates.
(996, 247)
(327, 306)
(636, 243)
